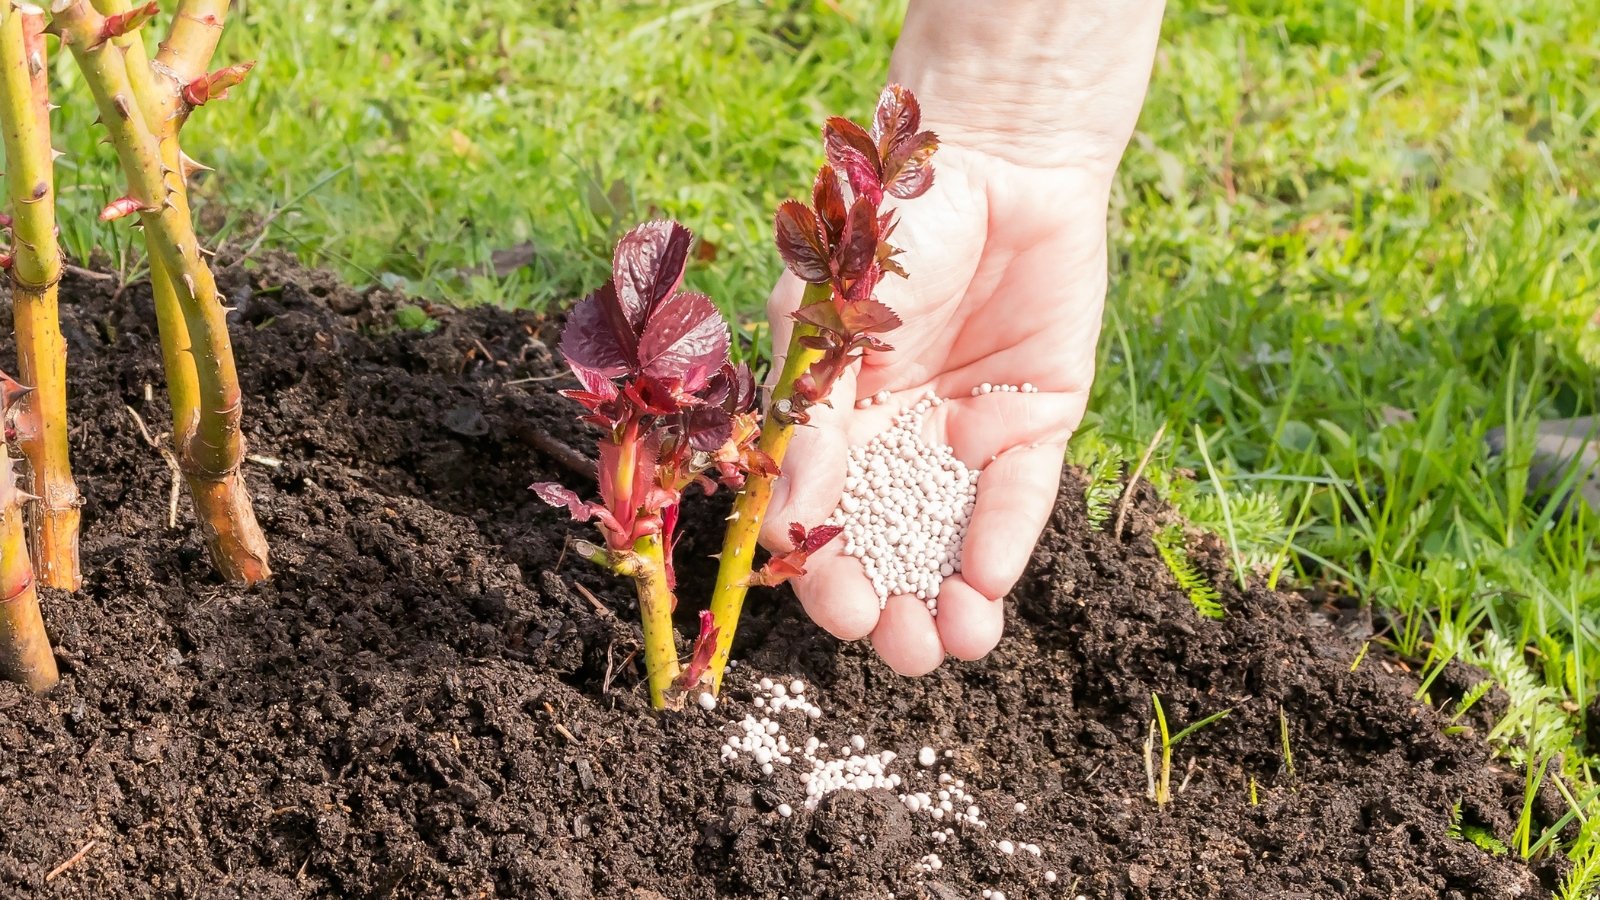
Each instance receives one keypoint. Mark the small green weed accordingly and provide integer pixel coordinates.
(1160, 779)
(1170, 544)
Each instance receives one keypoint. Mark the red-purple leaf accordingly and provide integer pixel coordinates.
(801, 242)
(591, 340)
(655, 396)
(897, 117)
(595, 383)
(596, 398)
(818, 537)
(862, 288)
(908, 169)
(742, 398)
(822, 315)
(732, 388)
(784, 566)
(685, 333)
(561, 498)
(828, 201)
(858, 244)
(854, 154)
(669, 534)
(868, 317)
(708, 428)
(862, 176)
(842, 139)
(648, 267)
(705, 647)
(869, 342)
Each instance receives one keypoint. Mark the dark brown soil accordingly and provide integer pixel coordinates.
(424, 704)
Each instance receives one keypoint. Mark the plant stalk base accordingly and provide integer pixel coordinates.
(228, 520)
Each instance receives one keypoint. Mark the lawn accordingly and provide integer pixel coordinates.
(1349, 238)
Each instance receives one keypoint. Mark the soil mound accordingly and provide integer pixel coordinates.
(430, 700)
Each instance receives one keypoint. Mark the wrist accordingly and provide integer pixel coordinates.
(1037, 83)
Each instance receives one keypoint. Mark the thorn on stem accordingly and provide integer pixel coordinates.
(188, 166)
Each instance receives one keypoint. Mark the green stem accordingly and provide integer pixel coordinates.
(160, 99)
(41, 350)
(210, 446)
(750, 507)
(655, 615)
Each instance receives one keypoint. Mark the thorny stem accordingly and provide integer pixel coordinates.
(182, 381)
(41, 352)
(25, 655)
(750, 508)
(144, 115)
(655, 615)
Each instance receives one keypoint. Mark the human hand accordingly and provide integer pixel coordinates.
(1034, 102)
(1008, 274)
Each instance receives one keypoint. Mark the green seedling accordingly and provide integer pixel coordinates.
(415, 318)
(1160, 780)
(1361, 656)
(1477, 835)
(1105, 486)
(1206, 598)
(1283, 734)
(1583, 882)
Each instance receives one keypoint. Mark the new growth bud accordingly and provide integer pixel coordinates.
(115, 26)
(215, 86)
(120, 208)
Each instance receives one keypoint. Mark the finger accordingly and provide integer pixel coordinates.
(981, 428)
(906, 637)
(969, 623)
(836, 594)
(1015, 495)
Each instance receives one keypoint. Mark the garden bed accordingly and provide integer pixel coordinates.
(431, 699)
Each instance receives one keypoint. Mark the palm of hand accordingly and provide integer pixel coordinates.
(1007, 286)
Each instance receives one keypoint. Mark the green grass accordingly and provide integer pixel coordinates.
(1350, 237)
(406, 142)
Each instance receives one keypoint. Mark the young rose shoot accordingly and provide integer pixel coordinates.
(839, 245)
(655, 378)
